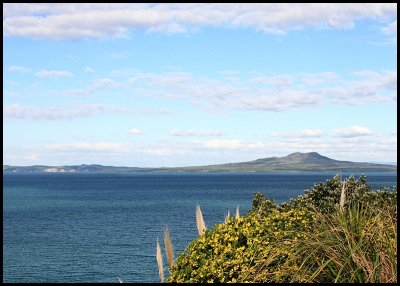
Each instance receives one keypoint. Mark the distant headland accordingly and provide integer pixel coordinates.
(296, 162)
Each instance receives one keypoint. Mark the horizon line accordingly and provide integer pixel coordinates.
(393, 163)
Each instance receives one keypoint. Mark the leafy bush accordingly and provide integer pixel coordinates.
(224, 252)
(262, 205)
(325, 198)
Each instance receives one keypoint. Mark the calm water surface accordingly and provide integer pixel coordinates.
(83, 227)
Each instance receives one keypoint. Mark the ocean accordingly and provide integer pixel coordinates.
(94, 227)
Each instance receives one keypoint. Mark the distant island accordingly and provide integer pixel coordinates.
(296, 162)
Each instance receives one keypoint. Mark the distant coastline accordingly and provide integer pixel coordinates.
(296, 162)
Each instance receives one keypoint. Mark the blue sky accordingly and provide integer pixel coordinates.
(154, 85)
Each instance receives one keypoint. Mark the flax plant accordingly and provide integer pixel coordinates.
(168, 248)
(160, 262)
(201, 227)
(358, 246)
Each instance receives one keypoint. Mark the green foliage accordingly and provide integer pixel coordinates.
(222, 254)
(262, 205)
(325, 198)
(307, 239)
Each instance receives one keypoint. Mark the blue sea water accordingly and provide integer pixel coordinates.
(92, 227)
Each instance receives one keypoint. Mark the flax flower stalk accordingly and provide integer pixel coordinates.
(160, 262)
(168, 248)
(227, 216)
(342, 196)
(201, 227)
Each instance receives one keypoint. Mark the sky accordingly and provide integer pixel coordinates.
(168, 85)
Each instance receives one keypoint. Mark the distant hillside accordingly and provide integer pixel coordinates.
(294, 162)
(74, 168)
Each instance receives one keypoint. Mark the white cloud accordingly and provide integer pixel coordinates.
(175, 132)
(283, 92)
(83, 146)
(353, 131)
(61, 21)
(318, 78)
(88, 70)
(16, 111)
(135, 131)
(230, 144)
(279, 81)
(211, 133)
(207, 92)
(298, 134)
(119, 55)
(97, 85)
(19, 69)
(223, 144)
(310, 133)
(104, 83)
(372, 87)
(156, 111)
(390, 29)
(230, 72)
(202, 133)
(53, 73)
(161, 151)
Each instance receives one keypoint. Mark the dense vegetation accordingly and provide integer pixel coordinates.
(335, 232)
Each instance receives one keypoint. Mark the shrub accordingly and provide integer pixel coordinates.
(307, 239)
(261, 205)
(229, 249)
(325, 198)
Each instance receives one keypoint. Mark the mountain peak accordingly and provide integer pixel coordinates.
(306, 157)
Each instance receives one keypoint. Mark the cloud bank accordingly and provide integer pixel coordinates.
(269, 93)
(71, 21)
(16, 111)
(348, 143)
